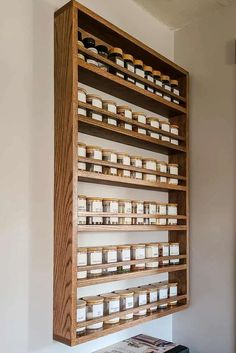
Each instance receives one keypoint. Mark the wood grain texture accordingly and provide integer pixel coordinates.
(128, 228)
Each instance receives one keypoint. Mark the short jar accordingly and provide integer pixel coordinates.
(111, 206)
(125, 206)
(81, 148)
(126, 302)
(163, 294)
(95, 101)
(82, 260)
(125, 111)
(82, 94)
(129, 65)
(123, 158)
(94, 258)
(154, 122)
(150, 208)
(94, 204)
(152, 295)
(140, 298)
(109, 156)
(94, 310)
(109, 256)
(138, 208)
(110, 106)
(174, 170)
(82, 207)
(165, 126)
(136, 161)
(173, 292)
(116, 55)
(140, 117)
(162, 168)
(94, 152)
(152, 252)
(174, 84)
(103, 51)
(174, 251)
(138, 69)
(111, 306)
(81, 316)
(174, 129)
(150, 164)
(123, 254)
(172, 210)
(138, 253)
(164, 251)
(157, 81)
(166, 85)
(148, 72)
(90, 44)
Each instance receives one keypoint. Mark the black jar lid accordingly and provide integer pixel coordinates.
(102, 49)
(89, 42)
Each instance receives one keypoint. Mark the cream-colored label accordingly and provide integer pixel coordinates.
(137, 175)
(81, 96)
(97, 206)
(139, 72)
(137, 163)
(153, 297)
(155, 123)
(165, 138)
(150, 89)
(97, 154)
(95, 258)
(150, 78)
(158, 83)
(81, 151)
(126, 160)
(130, 67)
(111, 256)
(152, 251)
(92, 61)
(81, 166)
(82, 259)
(173, 181)
(112, 121)
(165, 127)
(172, 210)
(97, 312)
(142, 299)
(150, 165)
(82, 111)
(158, 93)
(174, 131)
(167, 87)
(97, 102)
(113, 158)
(120, 62)
(141, 131)
(175, 101)
(128, 127)
(124, 255)
(114, 206)
(172, 221)
(176, 91)
(163, 168)
(126, 173)
(97, 116)
(81, 205)
(151, 177)
(139, 253)
(175, 142)
(127, 220)
(173, 291)
(152, 208)
(162, 209)
(165, 250)
(139, 84)
(173, 170)
(142, 119)
(81, 274)
(161, 221)
(128, 303)
(154, 135)
(167, 98)
(128, 207)
(139, 208)
(114, 306)
(128, 114)
(174, 249)
(111, 108)
(163, 293)
(163, 179)
(81, 314)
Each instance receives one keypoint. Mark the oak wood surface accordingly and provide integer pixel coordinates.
(128, 228)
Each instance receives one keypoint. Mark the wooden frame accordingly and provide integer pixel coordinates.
(68, 20)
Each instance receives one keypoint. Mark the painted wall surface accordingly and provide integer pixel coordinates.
(26, 187)
(207, 50)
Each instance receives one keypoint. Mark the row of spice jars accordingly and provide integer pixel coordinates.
(136, 66)
(149, 252)
(126, 207)
(151, 164)
(126, 112)
(94, 307)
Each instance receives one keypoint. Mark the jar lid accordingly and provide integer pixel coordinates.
(110, 247)
(89, 42)
(138, 113)
(82, 249)
(123, 154)
(152, 119)
(149, 159)
(94, 249)
(123, 107)
(148, 68)
(109, 101)
(149, 288)
(172, 204)
(138, 290)
(136, 157)
(174, 284)
(108, 151)
(162, 122)
(162, 203)
(93, 299)
(81, 197)
(174, 243)
(82, 90)
(81, 144)
(136, 246)
(110, 199)
(163, 244)
(102, 48)
(150, 202)
(91, 96)
(174, 126)
(137, 201)
(173, 165)
(81, 303)
(110, 296)
(125, 293)
(165, 78)
(125, 200)
(94, 148)
(116, 51)
(174, 82)
(152, 244)
(162, 162)
(123, 247)
(128, 57)
(138, 62)
(156, 73)
(95, 198)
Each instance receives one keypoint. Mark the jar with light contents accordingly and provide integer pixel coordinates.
(174, 84)
(116, 55)
(129, 65)
(82, 207)
(95, 101)
(174, 129)
(94, 204)
(94, 258)
(148, 71)
(94, 305)
(82, 261)
(138, 69)
(162, 167)
(163, 294)
(110, 106)
(81, 316)
(109, 156)
(110, 205)
(152, 295)
(165, 126)
(94, 152)
(174, 251)
(150, 208)
(111, 306)
(164, 251)
(136, 161)
(140, 298)
(138, 253)
(138, 208)
(173, 292)
(161, 210)
(123, 158)
(126, 303)
(152, 252)
(172, 210)
(125, 206)
(109, 257)
(81, 148)
(174, 170)
(166, 85)
(150, 164)
(124, 254)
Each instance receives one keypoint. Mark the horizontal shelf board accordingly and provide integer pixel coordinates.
(130, 323)
(114, 133)
(129, 167)
(131, 262)
(129, 228)
(131, 215)
(93, 76)
(100, 58)
(130, 311)
(123, 276)
(129, 121)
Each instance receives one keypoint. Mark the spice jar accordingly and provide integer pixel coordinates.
(141, 118)
(172, 211)
(150, 207)
(150, 164)
(173, 292)
(164, 251)
(165, 126)
(81, 209)
(151, 296)
(174, 84)
(94, 204)
(125, 206)
(116, 55)
(94, 310)
(111, 206)
(154, 122)
(138, 208)
(126, 302)
(173, 169)
(110, 106)
(125, 111)
(161, 210)
(81, 153)
(174, 251)
(166, 85)
(136, 161)
(149, 76)
(81, 315)
(163, 294)
(89, 44)
(129, 65)
(174, 129)
(111, 306)
(82, 261)
(94, 152)
(123, 254)
(140, 298)
(94, 258)
(110, 256)
(162, 167)
(138, 253)
(109, 156)
(157, 81)
(138, 69)
(82, 94)
(95, 101)
(103, 51)
(123, 158)
(152, 252)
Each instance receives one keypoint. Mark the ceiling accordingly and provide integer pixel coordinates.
(177, 14)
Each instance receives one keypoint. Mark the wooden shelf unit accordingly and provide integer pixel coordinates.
(68, 68)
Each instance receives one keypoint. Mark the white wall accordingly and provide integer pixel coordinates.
(26, 188)
(207, 50)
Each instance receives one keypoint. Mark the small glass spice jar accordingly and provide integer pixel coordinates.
(138, 253)
(126, 302)
(110, 106)
(138, 208)
(152, 295)
(173, 292)
(172, 210)
(94, 152)
(94, 310)
(163, 294)
(94, 204)
(81, 316)
(81, 153)
(123, 158)
(152, 252)
(125, 206)
(109, 256)
(111, 306)
(125, 111)
(138, 69)
(103, 51)
(157, 81)
(162, 167)
(174, 84)
(116, 55)
(136, 161)
(150, 208)
(166, 85)
(164, 251)
(82, 94)
(129, 65)
(140, 298)
(148, 71)
(174, 170)
(174, 129)
(109, 156)
(95, 101)
(150, 164)
(111, 206)
(165, 126)
(141, 118)
(154, 122)
(82, 261)
(94, 258)
(174, 251)
(124, 254)
(89, 44)
(82, 207)
(161, 210)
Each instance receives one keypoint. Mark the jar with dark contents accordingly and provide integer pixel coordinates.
(138, 69)
(157, 81)
(129, 65)
(166, 86)
(90, 44)
(174, 84)
(149, 76)
(116, 55)
(103, 51)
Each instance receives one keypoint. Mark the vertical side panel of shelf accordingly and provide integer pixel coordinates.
(65, 175)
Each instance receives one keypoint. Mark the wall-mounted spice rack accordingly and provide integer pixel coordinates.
(70, 19)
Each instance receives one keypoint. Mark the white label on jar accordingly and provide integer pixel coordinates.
(167, 87)
(165, 138)
(137, 163)
(138, 175)
(152, 208)
(128, 114)
(152, 251)
(113, 171)
(111, 108)
(114, 206)
(167, 98)
(126, 160)
(141, 131)
(163, 293)
(165, 250)
(111, 256)
(95, 258)
(97, 154)
(112, 121)
(162, 221)
(97, 102)
(150, 89)
(81, 166)
(128, 127)
(141, 85)
(173, 181)
(129, 302)
(172, 221)
(130, 67)
(139, 208)
(114, 306)
(176, 91)
(150, 165)
(154, 123)
(139, 72)
(162, 209)
(154, 135)
(153, 297)
(165, 127)
(142, 119)
(158, 83)
(175, 142)
(81, 314)
(120, 62)
(82, 259)
(173, 170)
(96, 168)
(97, 206)
(175, 101)
(97, 312)
(82, 111)
(81, 96)
(125, 255)
(163, 179)
(151, 177)
(81, 205)
(120, 74)
(172, 210)
(150, 78)
(81, 274)
(174, 130)
(92, 61)
(158, 93)
(142, 299)
(174, 249)
(128, 207)
(126, 173)
(173, 291)
(97, 116)
(139, 253)
(163, 168)
(81, 151)
(113, 158)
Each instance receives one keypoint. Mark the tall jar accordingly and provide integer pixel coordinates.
(140, 298)
(116, 55)
(140, 117)
(149, 76)
(110, 206)
(172, 211)
(109, 156)
(154, 122)
(109, 257)
(123, 158)
(90, 44)
(162, 211)
(150, 164)
(81, 316)
(173, 292)
(174, 129)
(162, 167)
(174, 170)
(163, 294)
(94, 152)
(165, 126)
(126, 303)
(110, 106)
(174, 84)
(152, 252)
(138, 253)
(123, 254)
(138, 69)
(125, 206)
(94, 204)
(95, 101)
(111, 306)
(166, 85)
(164, 251)
(150, 208)
(137, 162)
(82, 207)
(129, 65)
(152, 296)
(94, 258)
(174, 251)
(94, 310)
(138, 208)
(82, 261)
(157, 81)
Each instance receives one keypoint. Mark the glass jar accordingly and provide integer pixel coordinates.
(82, 208)
(150, 164)
(94, 152)
(174, 251)
(111, 206)
(141, 118)
(174, 84)
(173, 292)
(94, 258)
(94, 204)
(166, 85)
(111, 306)
(125, 206)
(82, 261)
(138, 208)
(82, 94)
(123, 158)
(172, 210)
(129, 65)
(136, 161)
(162, 167)
(148, 72)
(81, 153)
(124, 254)
(110, 256)
(139, 130)
(103, 51)
(150, 207)
(163, 294)
(174, 129)
(152, 252)
(151, 296)
(140, 298)
(125, 125)
(126, 302)
(94, 310)
(164, 251)
(161, 210)
(157, 81)
(116, 55)
(109, 156)
(174, 170)
(81, 316)
(165, 126)
(110, 106)
(138, 253)
(138, 69)
(125, 111)
(89, 44)
(154, 122)
(95, 101)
